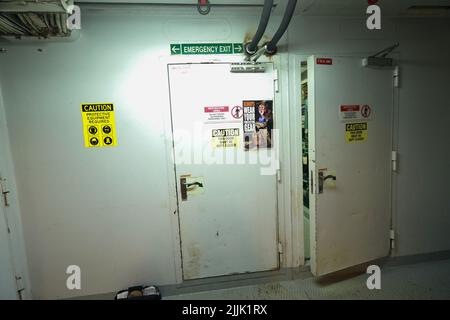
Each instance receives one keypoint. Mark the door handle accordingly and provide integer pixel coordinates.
(184, 186)
(323, 178)
(188, 185)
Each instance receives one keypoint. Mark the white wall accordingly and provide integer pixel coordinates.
(106, 210)
(421, 205)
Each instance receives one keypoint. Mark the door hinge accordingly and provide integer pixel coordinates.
(280, 248)
(396, 77)
(4, 190)
(394, 158)
(279, 175)
(275, 80)
(392, 238)
(20, 286)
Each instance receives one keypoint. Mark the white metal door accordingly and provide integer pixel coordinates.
(8, 290)
(350, 121)
(228, 223)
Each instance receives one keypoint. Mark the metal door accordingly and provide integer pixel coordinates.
(350, 130)
(227, 206)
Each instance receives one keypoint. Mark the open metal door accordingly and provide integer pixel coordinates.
(350, 139)
(227, 205)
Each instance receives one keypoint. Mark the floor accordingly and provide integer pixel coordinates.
(430, 280)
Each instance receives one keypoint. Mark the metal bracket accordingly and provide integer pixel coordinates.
(394, 157)
(4, 190)
(280, 248)
(247, 68)
(183, 189)
(380, 59)
(20, 286)
(276, 80)
(396, 77)
(392, 238)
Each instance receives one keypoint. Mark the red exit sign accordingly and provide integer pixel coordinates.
(326, 61)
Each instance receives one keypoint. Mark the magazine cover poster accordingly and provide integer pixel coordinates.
(258, 124)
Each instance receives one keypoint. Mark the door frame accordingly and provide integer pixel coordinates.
(12, 214)
(8, 245)
(295, 61)
(284, 232)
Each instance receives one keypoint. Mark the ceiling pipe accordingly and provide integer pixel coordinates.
(290, 9)
(251, 48)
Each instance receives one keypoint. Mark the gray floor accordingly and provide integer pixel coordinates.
(430, 280)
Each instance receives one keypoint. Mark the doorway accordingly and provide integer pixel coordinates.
(305, 157)
(222, 124)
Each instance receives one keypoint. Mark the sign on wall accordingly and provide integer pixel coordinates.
(98, 125)
(206, 48)
(325, 61)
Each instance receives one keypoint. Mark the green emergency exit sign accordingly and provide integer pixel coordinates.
(206, 48)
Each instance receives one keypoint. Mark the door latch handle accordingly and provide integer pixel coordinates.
(323, 178)
(183, 189)
(184, 186)
(5, 198)
(188, 185)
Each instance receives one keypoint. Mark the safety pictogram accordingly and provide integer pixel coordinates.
(237, 112)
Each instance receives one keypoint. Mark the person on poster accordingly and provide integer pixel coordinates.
(264, 125)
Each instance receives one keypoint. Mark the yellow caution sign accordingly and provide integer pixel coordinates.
(225, 138)
(356, 132)
(98, 125)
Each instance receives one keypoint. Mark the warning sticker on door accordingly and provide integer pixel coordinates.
(214, 114)
(237, 112)
(355, 112)
(98, 125)
(356, 132)
(225, 138)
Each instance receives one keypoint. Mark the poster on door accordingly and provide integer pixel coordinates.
(258, 124)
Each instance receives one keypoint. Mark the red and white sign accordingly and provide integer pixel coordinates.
(326, 61)
(237, 112)
(216, 109)
(221, 114)
(348, 112)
